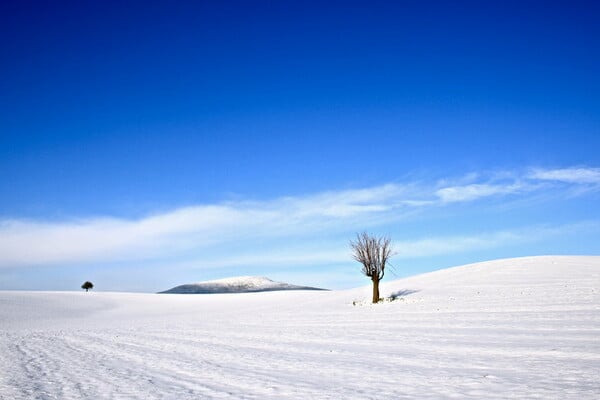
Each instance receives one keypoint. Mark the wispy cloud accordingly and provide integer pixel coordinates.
(441, 245)
(332, 253)
(37, 243)
(179, 232)
(475, 191)
(570, 175)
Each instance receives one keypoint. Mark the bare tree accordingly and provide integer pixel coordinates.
(87, 285)
(373, 253)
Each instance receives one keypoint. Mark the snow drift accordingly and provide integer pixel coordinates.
(518, 328)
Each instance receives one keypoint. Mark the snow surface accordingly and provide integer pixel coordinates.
(518, 328)
(239, 284)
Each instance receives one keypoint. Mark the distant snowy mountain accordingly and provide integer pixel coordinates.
(240, 284)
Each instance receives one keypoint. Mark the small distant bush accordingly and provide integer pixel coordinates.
(87, 285)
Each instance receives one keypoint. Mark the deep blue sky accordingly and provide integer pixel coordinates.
(130, 109)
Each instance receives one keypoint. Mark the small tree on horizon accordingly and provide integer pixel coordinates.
(87, 285)
(373, 253)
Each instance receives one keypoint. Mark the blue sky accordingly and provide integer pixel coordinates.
(144, 145)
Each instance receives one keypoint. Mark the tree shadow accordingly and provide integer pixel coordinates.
(402, 293)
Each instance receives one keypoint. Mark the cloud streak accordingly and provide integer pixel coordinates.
(179, 232)
(336, 253)
(570, 175)
(25, 243)
(475, 191)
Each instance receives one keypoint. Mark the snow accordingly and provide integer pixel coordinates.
(239, 284)
(518, 328)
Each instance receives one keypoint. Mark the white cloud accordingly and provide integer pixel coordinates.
(337, 253)
(569, 175)
(24, 243)
(457, 244)
(453, 244)
(474, 191)
(301, 219)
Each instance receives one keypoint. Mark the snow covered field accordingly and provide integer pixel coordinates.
(518, 328)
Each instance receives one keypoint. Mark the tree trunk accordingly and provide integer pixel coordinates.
(86, 289)
(375, 290)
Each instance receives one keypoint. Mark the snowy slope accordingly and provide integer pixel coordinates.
(520, 328)
(240, 284)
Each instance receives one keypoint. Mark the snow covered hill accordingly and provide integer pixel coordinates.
(518, 328)
(240, 284)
